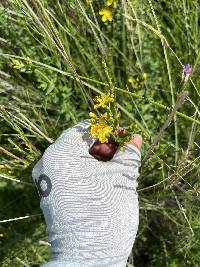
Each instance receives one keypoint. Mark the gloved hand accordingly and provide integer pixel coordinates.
(90, 206)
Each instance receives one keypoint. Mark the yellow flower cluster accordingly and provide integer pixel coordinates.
(111, 2)
(102, 100)
(106, 12)
(101, 130)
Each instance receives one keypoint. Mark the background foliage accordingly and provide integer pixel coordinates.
(50, 52)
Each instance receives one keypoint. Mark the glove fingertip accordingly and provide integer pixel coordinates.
(37, 169)
(133, 150)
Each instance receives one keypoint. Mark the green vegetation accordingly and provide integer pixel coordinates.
(51, 66)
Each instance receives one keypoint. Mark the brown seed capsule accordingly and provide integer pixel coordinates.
(121, 132)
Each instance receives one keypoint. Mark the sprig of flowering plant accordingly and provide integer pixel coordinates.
(99, 127)
(105, 126)
(103, 100)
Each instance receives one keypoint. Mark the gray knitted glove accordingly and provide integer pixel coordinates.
(90, 206)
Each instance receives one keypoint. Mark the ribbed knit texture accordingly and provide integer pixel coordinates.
(90, 206)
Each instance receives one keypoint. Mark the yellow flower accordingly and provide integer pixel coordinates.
(103, 100)
(110, 2)
(101, 130)
(106, 14)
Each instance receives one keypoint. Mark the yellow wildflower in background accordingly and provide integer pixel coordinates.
(111, 2)
(106, 14)
(101, 130)
(103, 100)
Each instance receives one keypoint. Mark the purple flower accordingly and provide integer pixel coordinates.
(187, 68)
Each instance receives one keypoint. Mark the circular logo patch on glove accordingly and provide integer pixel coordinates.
(44, 185)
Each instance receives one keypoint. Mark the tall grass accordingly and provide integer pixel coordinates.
(54, 58)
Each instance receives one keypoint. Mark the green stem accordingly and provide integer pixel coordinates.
(158, 105)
